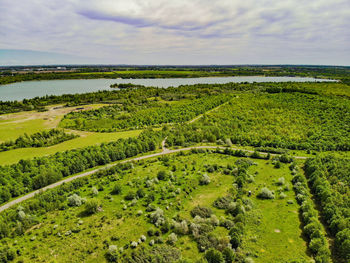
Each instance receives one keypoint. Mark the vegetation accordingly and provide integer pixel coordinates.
(114, 118)
(279, 120)
(112, 72)
(179, 220)
(28, 175)
(225, 204)
(39, 139)
(329, 179)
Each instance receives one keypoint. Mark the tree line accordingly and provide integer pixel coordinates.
(38, 139)
(329, 180)
(29, 175)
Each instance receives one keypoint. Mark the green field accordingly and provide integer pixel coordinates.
(14, 125)
(89, 236)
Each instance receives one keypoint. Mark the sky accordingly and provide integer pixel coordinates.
(178, 32)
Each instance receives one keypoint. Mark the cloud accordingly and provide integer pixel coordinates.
(181, 31)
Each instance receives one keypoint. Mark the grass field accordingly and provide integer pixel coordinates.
(14, 125)
(70, 235)
(274, 232)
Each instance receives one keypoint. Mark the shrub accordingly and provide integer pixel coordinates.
(181, 228)
(283, 195)
(214, 256)
(203, 212)
(342, 241)
(140, 193)
(112, 253)
(74, 200)
(265, 193)
(204, 180)
(92, 206)
(228, 254)
(281, 181)
(94, 191)
(157, 217)
(235, 239)
(172, 238)
(162, 175)
(117, 189)
(130, 196)
(223, 202)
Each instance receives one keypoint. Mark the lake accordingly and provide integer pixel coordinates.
(31, 89)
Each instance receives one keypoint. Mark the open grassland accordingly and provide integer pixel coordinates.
(274, 230)
(127, 215)
(14, 125)
(85, 139)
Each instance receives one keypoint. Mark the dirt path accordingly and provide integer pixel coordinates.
(201, 115)
(164, 151)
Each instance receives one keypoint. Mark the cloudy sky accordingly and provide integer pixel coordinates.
(175, 32)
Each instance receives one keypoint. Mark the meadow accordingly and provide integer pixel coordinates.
(176, 185)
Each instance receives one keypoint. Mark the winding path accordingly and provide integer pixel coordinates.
(164, 151)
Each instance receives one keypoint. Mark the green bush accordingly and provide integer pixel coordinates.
(92, 206)
(117, 189)
(265, 193)
(203, 212)
(214, 256)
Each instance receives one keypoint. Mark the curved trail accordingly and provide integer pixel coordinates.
(164, 151)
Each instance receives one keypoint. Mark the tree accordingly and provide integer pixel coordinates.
(214, 256)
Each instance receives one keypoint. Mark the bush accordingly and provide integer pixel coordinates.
(172, 238)
(117, 189)
(203, 212)
(92, 206)
(162, 175)
(181, 228)
(283, 195)
(265, 193)
(281, 181)
(130, 196)
(74, 200)
(342, 241)
(157, 217)
(223, 202)
(94, 191)
(112, 253)
(214, 256)
(204, 180)
(229, 255)
(235, 239)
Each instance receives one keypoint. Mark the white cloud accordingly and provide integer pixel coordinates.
(181, 31)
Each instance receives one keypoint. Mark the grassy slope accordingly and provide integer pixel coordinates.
(87, 245)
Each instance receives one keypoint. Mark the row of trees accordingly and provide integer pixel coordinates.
(39, 139)
(329, 179)
(312, 228)
(28, 175)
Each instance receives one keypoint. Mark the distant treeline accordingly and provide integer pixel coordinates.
(28, 175)
(39, 139)
(7, 77)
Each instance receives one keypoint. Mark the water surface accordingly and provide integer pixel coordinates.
(31, 89)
